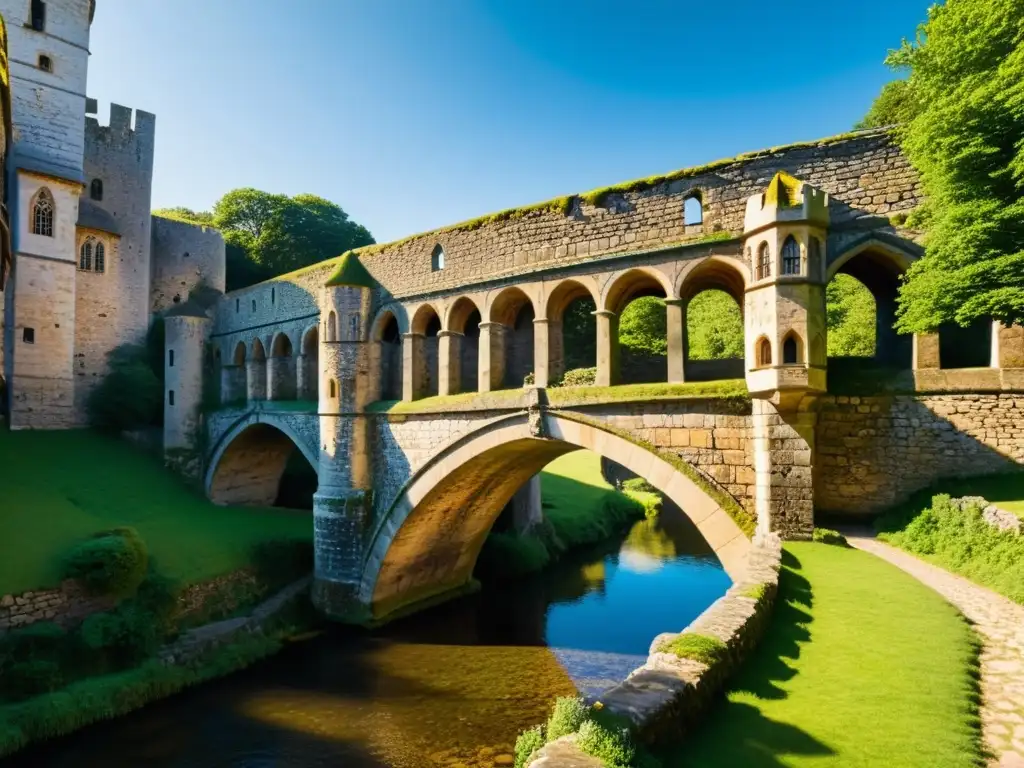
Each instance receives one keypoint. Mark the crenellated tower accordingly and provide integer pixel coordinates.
(348, 383)
(784, 231)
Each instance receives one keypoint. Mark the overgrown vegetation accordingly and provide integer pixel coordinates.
(954, 535)
(961, 109)
(110, 563)
(598, 733)
(702, 648)
(131, 395)
(861, 666)
(828, 536)
(63, 487)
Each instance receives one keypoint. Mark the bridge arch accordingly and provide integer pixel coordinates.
(248, 461)
(428, 541)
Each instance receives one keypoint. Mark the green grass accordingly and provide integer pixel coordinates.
(702, 648)
(63, 486)
(861, 666)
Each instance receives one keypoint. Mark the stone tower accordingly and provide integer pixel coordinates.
(348, 383)
(186, 332)
(784, 231)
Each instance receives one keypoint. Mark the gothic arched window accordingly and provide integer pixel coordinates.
(99, 262)
(791, 256)
(764, 260)
(791, 349)
(437, 258)
(85, 255)
(96, 189)
(693, 210)
(764, 352)
(42, 213)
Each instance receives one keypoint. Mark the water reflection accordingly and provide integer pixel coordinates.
(447, 688)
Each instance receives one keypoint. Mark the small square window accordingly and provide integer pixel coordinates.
(28, 335)
(45, 63)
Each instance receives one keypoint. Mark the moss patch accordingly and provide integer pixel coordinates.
(702, 648)
(725, 389)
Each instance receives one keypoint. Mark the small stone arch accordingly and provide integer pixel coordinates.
(510, 315)
(426, 544)
(331, 331)
(256, 372)
(693, 208)
(386, 330)
(459, 352)
(308, 366)
(714, 273)
(632, 283)
(420, 360)
(720, 272)
(281, 345)
(559, 297)
(762, 352)
(426, 320)
(259, 354)
(459, 313)
(239, 356)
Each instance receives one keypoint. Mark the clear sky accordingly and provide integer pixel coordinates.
(413, 114)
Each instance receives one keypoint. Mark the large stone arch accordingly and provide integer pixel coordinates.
(247, 461)
(426, 544)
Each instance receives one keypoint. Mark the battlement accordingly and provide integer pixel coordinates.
(787, 199)
(120, 130)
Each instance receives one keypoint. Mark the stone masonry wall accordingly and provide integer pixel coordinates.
(97, 321)
(873, 452)
(183, 255)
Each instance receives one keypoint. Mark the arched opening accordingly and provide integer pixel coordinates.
(693, 210)
(572, 332)
(860, 313)
(309, 365)
(712, 295)
(256, 372)
(43, 210)
(437, 258)
(511, 339)
(792, 349)
(637, 301)
(281, 373)
(434, 531)
(763, 349)
(390, 338)
(262, 467)
(464, 347)
(764, 261)
(239, 357)
(791, 261)
(331, 331)
(426, 324)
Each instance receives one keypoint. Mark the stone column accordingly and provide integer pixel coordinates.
(675, 321)
(281, 378)
(556, 351)
(306, 367)
(783, 447)
(607, 348)
(527, 511)
(256, 380)
(449, 362)
(414, 367)
(492, 356)
(926, 351)
(1007, 345)
(541, 353)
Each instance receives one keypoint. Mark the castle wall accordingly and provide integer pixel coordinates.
(97, 321)
(183, 255)
(873, 452)
(122, 158)
(48, 106)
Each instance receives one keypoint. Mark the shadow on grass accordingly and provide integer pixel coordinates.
(736, 732)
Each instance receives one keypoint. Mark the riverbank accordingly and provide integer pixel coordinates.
(862, 665)
(580, 509)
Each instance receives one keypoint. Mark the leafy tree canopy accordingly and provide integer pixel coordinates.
(714, 326)
(964, 96)
(268, 235)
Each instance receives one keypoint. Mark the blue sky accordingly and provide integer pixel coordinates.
(413, 114)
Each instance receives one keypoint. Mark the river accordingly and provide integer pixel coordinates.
(449, 687)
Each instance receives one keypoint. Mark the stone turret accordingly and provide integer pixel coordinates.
(784, 233)
(186, 332)
(349, 382)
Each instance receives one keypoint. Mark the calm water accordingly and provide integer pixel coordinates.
(451, 687)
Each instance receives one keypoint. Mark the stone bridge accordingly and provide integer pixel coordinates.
(454, 323)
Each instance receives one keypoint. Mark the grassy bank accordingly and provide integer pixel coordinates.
(61, 487)
(956, 537)
(580, 509)
(861, 666)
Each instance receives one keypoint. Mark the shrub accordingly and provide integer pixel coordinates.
(130, 396)
(110, 563)
(567, 716)
(756, 591)
(612, 745)
(638, 484)
(706, 650)
(828, 536)
(31, 678)
(527, 743)
(578, 377)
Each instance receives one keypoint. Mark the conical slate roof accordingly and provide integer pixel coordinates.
(351, 272)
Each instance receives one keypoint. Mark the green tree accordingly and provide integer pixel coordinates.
(893, 106)
(966, 139)
(642, 326)
(714, 326)
(185, 214)
(850, 314)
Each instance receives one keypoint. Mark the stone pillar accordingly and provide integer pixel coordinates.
(492, 356)
(256, 380)
(527, 511)
(232, 383)
(449, 362)
(556, 351)
(281, 378)
(675, 320)
(783, 447)
(1007, 345)
(306, 367)
(926, 351)
(414, 367)
(541, 353)
(607, 348)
